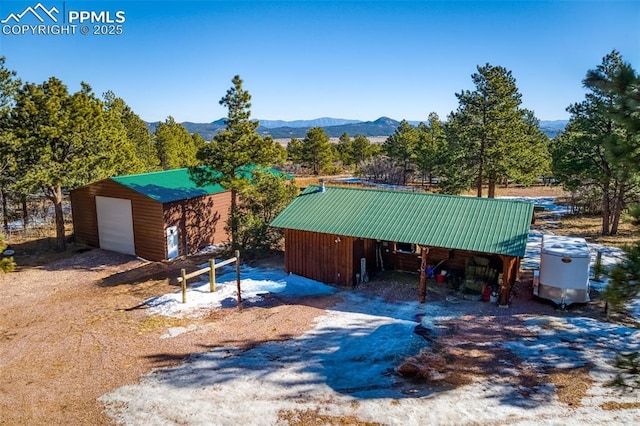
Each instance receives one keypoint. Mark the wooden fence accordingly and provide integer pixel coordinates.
(211, 270)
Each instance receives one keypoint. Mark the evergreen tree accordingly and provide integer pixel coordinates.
(198, 141)
(455, 176)
(362, 149)
(261, 202)
(430, 147)
(317, 152)
(345, 149)
(598, 148)
(489, 123)
(137, 133)
(176, 147)
(401, 148)
(294, 151)
(623, 287)
(9, 85)
(125, 158)
(61, 141)
(279, 152)
(232, 150)
(533, 146)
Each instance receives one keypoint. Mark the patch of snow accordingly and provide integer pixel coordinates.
(255, 285)
(210, 249)
(634, 308)
(550, 208)
(176, 331)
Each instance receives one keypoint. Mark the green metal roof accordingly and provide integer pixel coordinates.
(464, 223)
(167, 186)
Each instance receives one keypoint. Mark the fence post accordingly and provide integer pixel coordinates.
(184, 285)
(212, 275)
(238, 279)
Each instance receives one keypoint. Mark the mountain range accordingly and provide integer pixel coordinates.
(333, 127)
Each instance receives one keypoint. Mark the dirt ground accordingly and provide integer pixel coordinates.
(75, 329)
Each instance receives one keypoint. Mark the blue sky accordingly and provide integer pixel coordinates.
(309, 59)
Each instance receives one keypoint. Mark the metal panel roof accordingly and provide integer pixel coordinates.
(167, 186)
(455, 222)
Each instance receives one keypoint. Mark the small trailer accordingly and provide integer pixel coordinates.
(564, 270)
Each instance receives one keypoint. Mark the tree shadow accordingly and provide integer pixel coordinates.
(200, 221)
(90, 260)
(350, 361)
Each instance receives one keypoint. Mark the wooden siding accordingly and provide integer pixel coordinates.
(200, 221)
(322, 257)
(334, 259)
(148, 232)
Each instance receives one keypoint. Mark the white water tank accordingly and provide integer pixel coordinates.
(564, 270)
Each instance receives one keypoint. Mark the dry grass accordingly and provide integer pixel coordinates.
(589, 227)
(155, 322)
(37, 246)
(462, 356)
(615, 405)
(524, 191)
(315, 418)
(572, 385)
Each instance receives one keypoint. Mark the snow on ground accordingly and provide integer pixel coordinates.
(255, 284)
(610, 255)
(547, 203)
(345, 365)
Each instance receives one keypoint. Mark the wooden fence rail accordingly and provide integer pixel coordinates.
(211, 270)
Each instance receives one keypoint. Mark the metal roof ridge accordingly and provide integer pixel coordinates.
(402, 191)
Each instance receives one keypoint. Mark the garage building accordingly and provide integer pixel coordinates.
(156, 216)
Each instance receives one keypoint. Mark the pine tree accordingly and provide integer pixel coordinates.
(362, 149)
(345, 149)
(232, 150)
(430, 147)
(624, 286)
(61, 142)
(9, 85)
(317, 153)
(137, 133)
(294, 151)
(401, 148)
(599, 147)
(489, 124)
(125, 158)
(176, 147)
(261, 202)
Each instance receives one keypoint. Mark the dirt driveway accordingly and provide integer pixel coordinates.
(75, 329)
(72, 330)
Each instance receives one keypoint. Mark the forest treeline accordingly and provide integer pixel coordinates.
(52, 140)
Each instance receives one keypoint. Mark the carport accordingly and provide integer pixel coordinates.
(330, 230)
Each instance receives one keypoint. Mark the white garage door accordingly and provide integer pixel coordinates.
(115, 224)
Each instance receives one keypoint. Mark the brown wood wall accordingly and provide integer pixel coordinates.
(200, 221)
(320, 257)
(148, 232)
